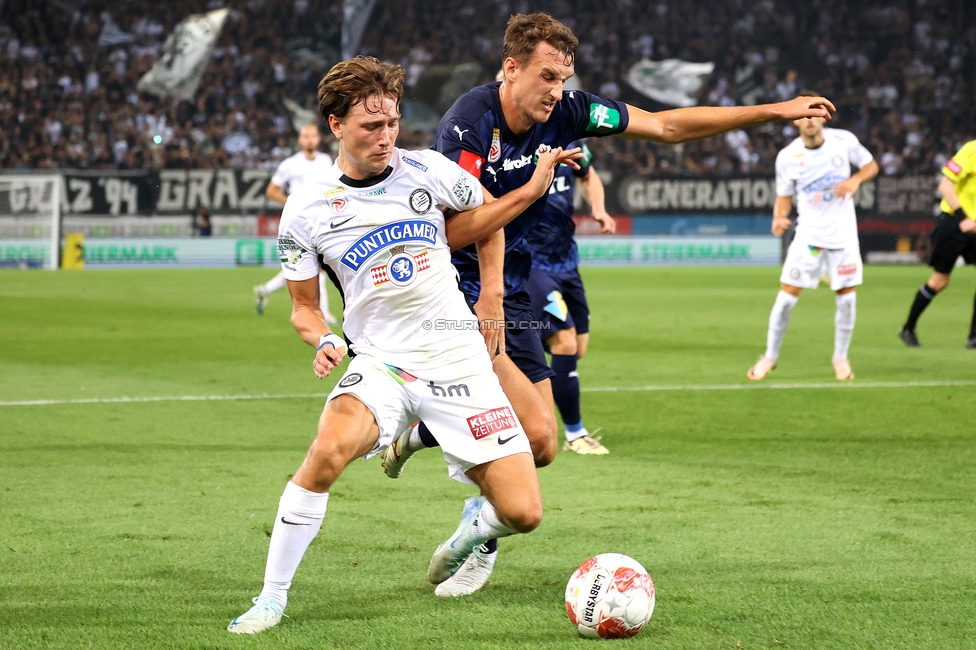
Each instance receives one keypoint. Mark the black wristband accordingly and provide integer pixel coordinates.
(959, 215)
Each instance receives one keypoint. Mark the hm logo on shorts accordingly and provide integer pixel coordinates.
(491, 422)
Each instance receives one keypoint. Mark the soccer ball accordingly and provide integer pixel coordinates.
(610, 596)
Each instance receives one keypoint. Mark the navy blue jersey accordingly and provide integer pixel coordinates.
(551, 240)
(474, 134)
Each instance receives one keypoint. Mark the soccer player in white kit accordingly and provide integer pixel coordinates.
(816, 167)
(307, 164)
(375, 220)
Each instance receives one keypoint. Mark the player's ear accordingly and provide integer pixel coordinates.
(509, 67)
(334, 124)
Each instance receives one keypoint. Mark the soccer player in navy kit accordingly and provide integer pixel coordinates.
(556, 290)
(495, 132)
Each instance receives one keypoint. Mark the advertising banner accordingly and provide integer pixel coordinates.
(670, 251)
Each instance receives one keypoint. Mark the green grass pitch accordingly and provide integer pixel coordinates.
(834, 518)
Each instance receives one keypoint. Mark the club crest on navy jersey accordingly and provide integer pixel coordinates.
(495, 152)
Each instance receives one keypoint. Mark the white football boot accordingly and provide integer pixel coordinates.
(763, 367)
(842, 370)
(472, 575)
(449, 556)
(267, 612)
(587, 444)
(397, 454)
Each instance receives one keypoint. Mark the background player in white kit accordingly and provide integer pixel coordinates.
(309, 163)
(375, 220)
(817, 168)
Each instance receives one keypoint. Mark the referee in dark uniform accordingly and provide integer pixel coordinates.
(954, 235)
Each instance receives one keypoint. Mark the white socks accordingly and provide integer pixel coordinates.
(844, 324)
(323, 295)
(414, 443)
(779, 320)
(274, 284)
(487, 526)
(299, 518)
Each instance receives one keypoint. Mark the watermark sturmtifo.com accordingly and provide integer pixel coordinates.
(444, 324)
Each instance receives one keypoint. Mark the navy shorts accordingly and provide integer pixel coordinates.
(522, 341)
(558, 301)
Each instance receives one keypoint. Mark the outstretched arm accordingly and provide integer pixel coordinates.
(475, 225)
(684, 124)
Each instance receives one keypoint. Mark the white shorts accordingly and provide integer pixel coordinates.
(463, 405)
(805, 264)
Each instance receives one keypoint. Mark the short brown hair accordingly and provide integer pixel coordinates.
(525, 32)
(809, 93)
(352, 81)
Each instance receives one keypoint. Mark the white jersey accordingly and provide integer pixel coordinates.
(297, 169)
(385, 242)
(824, 219)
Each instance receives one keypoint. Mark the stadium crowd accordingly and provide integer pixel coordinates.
(901, 72)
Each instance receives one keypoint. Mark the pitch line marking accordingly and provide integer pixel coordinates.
(760, 386)
(162, 398)
(590, 389)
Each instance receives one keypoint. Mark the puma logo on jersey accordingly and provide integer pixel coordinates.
(460, 132)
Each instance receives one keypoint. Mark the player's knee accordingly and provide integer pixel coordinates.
(545, 453)
(527, 518)
(542, 433)
(324, 462)
(563, 342)
(939, 281)
(582, 343)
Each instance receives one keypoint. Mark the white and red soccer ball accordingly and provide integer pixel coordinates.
(610, 596)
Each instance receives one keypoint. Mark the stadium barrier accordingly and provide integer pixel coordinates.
(213, 252)
(675, 219)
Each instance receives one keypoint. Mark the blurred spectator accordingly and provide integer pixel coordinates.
(901, 72)
(201, 223)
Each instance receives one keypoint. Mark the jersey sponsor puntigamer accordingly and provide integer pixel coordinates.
(474, 133)
(295, 170)
(824, 219)
(383, 240)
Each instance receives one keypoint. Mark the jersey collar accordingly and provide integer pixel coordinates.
(366, 182)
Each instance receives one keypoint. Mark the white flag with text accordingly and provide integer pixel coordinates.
(186, 53)
(673, 82)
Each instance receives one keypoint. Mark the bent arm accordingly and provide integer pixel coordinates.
(684, 124)
(781, 214)
(867, 172)
(491, 265)
(475, 225)
(306, 315)
(948, 191)
(591, 187)
(275, 194)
